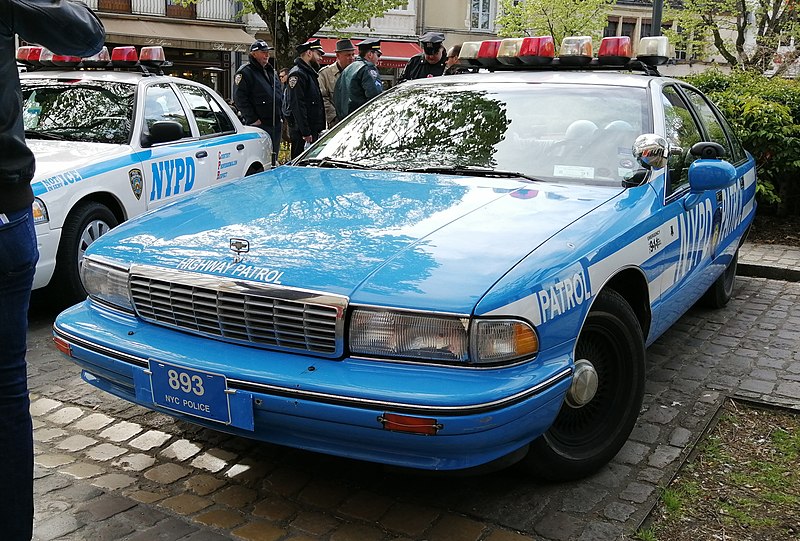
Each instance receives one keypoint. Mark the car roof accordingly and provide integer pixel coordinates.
(577, 77)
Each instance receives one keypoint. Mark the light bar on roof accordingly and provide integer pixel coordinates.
(152, 56)
(46, 57)
(99, 60)
(537, 50)
(653, 50)
(576, 50)
(487, 54)
(469, 53)
(124, 57)
(615, 50)
(508, 52)
(66, 61)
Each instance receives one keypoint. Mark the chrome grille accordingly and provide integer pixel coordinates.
(271, 317)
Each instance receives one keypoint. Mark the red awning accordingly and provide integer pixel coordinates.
(395, 53)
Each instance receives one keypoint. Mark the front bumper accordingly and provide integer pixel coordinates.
(330, 406)
(47, 242)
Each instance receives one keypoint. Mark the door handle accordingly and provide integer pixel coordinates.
(201, 154)
(240, 146)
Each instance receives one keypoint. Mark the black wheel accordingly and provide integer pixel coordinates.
(603, 402)
(253, 169)
(85, 224)
(721, 290)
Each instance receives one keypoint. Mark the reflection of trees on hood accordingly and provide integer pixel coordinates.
(336, 224)
(426, 126)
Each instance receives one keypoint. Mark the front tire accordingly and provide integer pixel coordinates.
(593, 425)
(86, 223)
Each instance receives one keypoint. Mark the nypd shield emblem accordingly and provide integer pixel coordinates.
(237, 79)
(137, 184)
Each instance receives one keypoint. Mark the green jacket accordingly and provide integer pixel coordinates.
(357, 84)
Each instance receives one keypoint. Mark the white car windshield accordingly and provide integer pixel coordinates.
(91, 111)
(554, 132)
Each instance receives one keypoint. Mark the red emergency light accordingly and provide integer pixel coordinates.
(615, 50)
(124, 57)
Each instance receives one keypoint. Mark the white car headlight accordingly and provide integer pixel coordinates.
(106, 281)
(386, 333)
(436, 339)
(40, 215)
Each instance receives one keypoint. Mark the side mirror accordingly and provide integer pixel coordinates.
(651, 151)
(163, 131)
(710, 174)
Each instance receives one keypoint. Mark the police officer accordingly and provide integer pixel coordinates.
(304, 108)
(430, 62)
(259, 94)
(360, 81)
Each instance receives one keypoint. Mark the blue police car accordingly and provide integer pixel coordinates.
(464, 273)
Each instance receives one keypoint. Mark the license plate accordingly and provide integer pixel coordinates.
(193, 392)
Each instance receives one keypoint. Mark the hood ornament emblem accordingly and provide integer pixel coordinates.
(240, 246)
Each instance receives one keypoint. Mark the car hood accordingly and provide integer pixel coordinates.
(57, 158)
(402, 239)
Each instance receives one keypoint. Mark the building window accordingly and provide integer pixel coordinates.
(611, 29)
(480, 15)
(646, 29)
(628, 29)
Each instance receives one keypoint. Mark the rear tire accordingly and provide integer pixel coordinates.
(86, 223)
(721, 291)
(590, 429)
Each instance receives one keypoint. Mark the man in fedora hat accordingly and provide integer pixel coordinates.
(303, 107)
(258, 94)
(360, 81)
(345, 54)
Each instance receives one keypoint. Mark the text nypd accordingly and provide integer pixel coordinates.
(237, 270)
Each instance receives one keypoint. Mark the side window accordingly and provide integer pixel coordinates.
(161, 103)
(682, 133)
(716, 132)
(210, 117)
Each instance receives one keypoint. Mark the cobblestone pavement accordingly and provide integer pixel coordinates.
(107, 470)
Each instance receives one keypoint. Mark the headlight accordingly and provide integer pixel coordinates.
(433, 338)
(421, 337)
(39, 212)
(106, 281)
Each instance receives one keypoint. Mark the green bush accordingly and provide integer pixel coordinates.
(765, 114)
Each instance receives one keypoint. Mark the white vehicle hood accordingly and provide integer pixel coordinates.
(54, 158)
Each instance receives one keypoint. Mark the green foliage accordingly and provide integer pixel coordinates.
(293, 21)
(747, 39)
(557, 18)
(765, 114)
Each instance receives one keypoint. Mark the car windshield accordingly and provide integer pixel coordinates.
(92, 111)
(551, 132)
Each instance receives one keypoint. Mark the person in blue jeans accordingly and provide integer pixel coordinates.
(64, 27)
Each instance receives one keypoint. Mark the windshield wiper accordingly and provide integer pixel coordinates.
(471, 170)
(33, 134)
(330, 162)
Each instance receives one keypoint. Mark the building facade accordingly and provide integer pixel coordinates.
(201, 39)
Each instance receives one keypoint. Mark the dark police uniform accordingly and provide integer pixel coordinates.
(258, 95)
(304, 110)
(359, 82)
(418, 67)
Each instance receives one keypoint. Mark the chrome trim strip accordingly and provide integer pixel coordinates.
(362, 403)
(91, 346)
(350, 401)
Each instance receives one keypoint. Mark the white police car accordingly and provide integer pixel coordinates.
(463, 273)
(110, 145)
